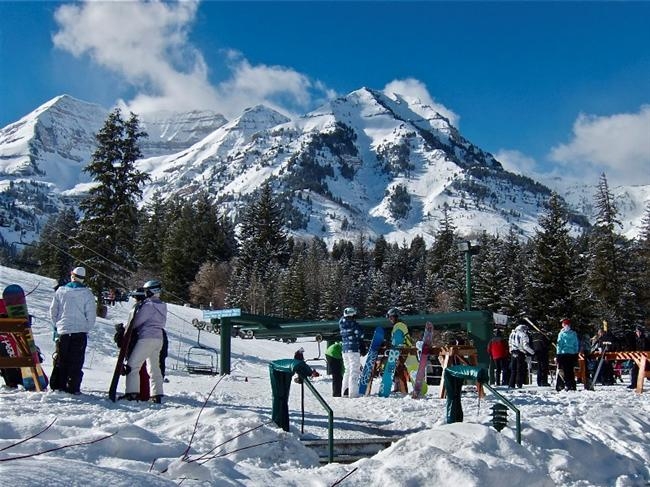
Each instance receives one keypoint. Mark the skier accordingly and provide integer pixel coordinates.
(600, 343)
(566, 355)
(334, 358)
(497, 350)
(148, 324)
(73, 313)
(352, 343)
(519, 350)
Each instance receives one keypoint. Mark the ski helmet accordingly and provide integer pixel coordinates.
(139, 294)
(351, 311)
(392, 312)
(152, 287)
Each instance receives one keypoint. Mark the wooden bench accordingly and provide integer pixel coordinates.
(641, 359)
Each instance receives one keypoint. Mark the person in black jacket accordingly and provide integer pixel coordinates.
(642, 345)
(541, 345)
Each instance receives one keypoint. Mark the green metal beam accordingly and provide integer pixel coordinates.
(478, 324)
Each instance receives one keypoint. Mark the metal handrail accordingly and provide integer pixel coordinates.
(330, 416)
(510, 406)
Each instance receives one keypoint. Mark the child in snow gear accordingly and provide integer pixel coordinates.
(352, 344)
(73, 313)
(148, 324)
(566, 355)
(334, 358)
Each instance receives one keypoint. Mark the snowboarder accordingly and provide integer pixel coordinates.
(148, 324)
(73, 313)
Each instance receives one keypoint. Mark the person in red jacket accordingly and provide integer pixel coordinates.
(497, 350)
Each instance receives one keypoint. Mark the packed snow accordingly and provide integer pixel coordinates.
(217, 430)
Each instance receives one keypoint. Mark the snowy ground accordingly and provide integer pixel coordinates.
(584, 438)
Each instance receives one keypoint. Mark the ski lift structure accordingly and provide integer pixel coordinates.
(199, 358)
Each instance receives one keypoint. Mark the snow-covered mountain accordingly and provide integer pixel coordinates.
(363, 163)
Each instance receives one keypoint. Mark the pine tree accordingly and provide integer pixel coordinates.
(108, 228)
(489, 275)
(642, 277)
(445, 266)
(608, 275)
(263, 243)
(514, 257)
(551, 286)
(197, 235)
(156, 216)
(53, 249)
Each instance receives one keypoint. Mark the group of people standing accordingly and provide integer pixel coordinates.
(73, 312)
(344, 357)
(510, 360)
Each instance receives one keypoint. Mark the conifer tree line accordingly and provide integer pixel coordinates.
(195, 250)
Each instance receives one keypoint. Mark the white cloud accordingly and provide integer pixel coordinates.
(414, 90)
(147, 44)
(517, 162)
(618, 145)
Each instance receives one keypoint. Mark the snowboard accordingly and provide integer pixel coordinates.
(427, 343)
(16, 304)
(397, 340)
(122, 356)
(371, 358)
(8, 348)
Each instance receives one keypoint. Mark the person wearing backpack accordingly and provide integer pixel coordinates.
(541, 347)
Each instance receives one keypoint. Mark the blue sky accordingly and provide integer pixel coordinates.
(547, 87)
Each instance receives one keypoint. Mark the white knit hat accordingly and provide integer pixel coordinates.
(78, 273)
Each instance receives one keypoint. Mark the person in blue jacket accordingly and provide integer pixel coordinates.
(567, 353)
(352, 344)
